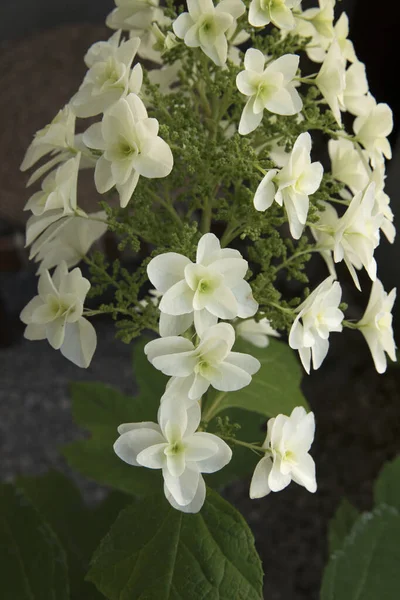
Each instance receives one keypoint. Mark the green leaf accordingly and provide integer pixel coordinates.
(367, 566)
(155, 552)
(101, 409)
(275, 388)
(32, 561)
(341, 525)
(387, 486)
(78, 527)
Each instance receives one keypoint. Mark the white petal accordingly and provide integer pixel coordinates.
(79, 343)
(265, 193)
(125, 427)
(155, 160)
(259, 483)
(222, 303)
(178, 299)
(229, 378)
(103, 176)
(254, 60)
(208, 248)
(167, 345)
(167, 269)
(181, 364)
(277, 481)
(249, 121)
(203, 320)
(130, 444)
(220, 457)
(172, 325)
(153, 457)
(304, 473)
(195, 505)
(246, 362)
(247, 306)
(183, 489)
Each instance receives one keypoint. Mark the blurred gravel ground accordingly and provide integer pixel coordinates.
(357, 413)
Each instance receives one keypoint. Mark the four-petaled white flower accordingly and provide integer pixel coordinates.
(278, 12)
(268, 88)
(176, 447)
(331, 79)
(212, 288)
(287, 455)
(210, 363)
(207, 26)
(316, 317)
(56, 315)
(347, 164)
(357, 234)
(69, 239)
(376, 325)
(56, 138)
(135, 16)
(109, 78)
(59, 190)
(372, 130)
(257, 333)
(292, 185)
(131, 147)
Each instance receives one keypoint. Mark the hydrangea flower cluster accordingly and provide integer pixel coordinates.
(205, 161)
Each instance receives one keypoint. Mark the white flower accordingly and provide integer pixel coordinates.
(174, 446)
(69, 239)
(372, 130)
(357, 234)
(212, 288)
(108, 79)
(356, 97)
(134, 15)
(376, 325)
(257, 333)
(59, 190)
(206, 26)
(56, 315)
(328, 220)
(382, 203)
(331, 79)
(321, 18)
(278, 12)
(57, 136)
(347, 164)
(210, 363)
(317, 316)
(287, 458)
(292, 185)
(320, 44)
(268, 88)
(131, 148)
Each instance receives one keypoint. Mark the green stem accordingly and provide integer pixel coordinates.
(281, 308)
(294, 256)
(253, 447)
(350, 325)
(212, 410)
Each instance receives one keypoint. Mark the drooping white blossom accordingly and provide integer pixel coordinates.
(69, 239)
(382, 203)
(323, 234)
(347, 164)
(331, 79)
(278, 12)
(356, 97)
(212, 288)
(210, 363)
(316, 318)
(372, 130)
(176, 447)
(206, 26)
(287, 457)
(376, 325)
(269, 88)
(56, 139)
(135, 16)
(59, 190)
(292, 185)
(131, 147)
(109, 78)
(357, 234)
(56, 315)
(257, 333)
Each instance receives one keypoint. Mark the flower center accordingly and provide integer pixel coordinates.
(174, 448)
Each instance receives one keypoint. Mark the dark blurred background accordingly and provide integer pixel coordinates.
(42, 44)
